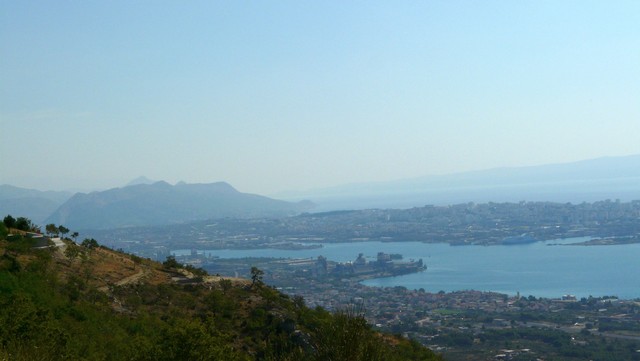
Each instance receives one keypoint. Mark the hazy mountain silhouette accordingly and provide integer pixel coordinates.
(583, 181)
(33, 204)
(162, 203)
(140, 180)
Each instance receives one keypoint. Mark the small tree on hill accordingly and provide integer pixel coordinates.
(71, 252)
(256, 276)
(75, 235)
(25, 224)
(51, 229)
(89, 243)
(63, 230)
(171, 262)
(225, 284)
(9, 221)
(4, 231)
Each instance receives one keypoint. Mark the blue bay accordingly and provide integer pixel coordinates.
(541, 269)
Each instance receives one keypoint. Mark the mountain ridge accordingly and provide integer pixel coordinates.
(34, 204)
(581, 181)
(163, 203)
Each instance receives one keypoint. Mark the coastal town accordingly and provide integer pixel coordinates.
(462, 224)
(462, 325)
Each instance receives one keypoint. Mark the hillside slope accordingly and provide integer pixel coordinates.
(162, 203)
(91, 303)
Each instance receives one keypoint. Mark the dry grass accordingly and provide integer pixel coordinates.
(102, 267)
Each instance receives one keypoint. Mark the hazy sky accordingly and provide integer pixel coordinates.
(292, 95)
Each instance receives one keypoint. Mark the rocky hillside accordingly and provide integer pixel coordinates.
(86, 302)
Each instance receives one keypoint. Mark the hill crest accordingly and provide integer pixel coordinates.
(163, 203)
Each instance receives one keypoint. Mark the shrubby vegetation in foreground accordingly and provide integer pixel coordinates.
(91, 303)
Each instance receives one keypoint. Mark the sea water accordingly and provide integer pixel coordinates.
(542, 269)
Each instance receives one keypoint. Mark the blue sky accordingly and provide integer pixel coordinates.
(293, 95)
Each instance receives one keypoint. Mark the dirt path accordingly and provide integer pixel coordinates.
(133, 278)
(130, 279)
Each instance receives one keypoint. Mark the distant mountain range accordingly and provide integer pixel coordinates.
(143, 202)
(583, 181)
(162, 203)
(33, 204)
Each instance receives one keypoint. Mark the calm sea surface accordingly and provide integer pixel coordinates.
(540, 269)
